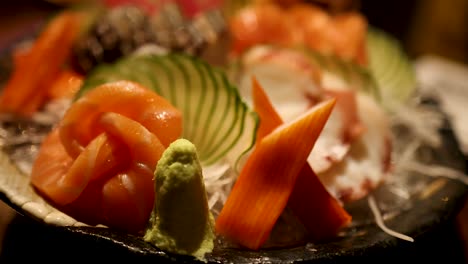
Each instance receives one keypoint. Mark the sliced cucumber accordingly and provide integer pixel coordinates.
(227, 134)
(216, 119)
(390, 66)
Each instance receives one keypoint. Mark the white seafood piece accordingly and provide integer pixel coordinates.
(292, 84)
(330, 148)
(349, 167)
(367, 163)
(289, 80)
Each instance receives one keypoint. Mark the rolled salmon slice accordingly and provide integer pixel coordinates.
(61, 178)
(97, 165)
(80, 123)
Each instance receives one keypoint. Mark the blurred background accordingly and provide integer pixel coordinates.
(435, 27)
(424, 27)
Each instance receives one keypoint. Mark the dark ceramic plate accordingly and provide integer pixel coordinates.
(424, 211)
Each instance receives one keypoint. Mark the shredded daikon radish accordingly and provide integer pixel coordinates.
(437, 171)
(218, 179)
(53, 112)
(380, 222)
(424, 124)
(408, 153)
(422, 121)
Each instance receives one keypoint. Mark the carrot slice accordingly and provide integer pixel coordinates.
(319, 212)
(48, 53)
(266, 181)
(269, 118)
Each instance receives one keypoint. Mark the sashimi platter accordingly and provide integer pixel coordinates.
(253, 132)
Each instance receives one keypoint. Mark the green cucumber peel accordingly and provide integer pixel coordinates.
(390, 66)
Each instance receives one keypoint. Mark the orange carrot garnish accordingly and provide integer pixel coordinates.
(28, 82)
(269, 118)
(319, 212)
(267, 179)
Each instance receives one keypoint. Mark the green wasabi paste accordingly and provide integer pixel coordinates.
(181, 221)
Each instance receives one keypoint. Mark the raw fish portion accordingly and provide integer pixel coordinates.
(98, 162)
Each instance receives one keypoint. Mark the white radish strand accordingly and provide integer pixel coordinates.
(437, 171)
(380, 222)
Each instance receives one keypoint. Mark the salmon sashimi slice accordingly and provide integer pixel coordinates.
(80, 123)
(343, 35)
(34, 68)
(62, 178)
(51, 164)
(109, 177)
(65, 85)
(144, 146)
(259, 24)
(128, 198)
